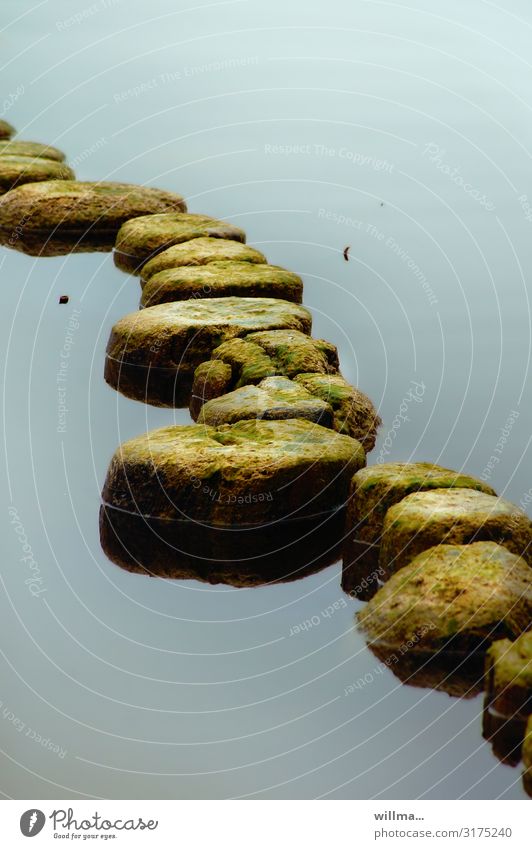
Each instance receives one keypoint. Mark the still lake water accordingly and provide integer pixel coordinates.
(402, 131)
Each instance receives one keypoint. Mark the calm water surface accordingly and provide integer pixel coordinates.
(402, 131)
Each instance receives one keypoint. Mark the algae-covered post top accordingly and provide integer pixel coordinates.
(16, 170)
(35, 150)
(424, 519)
(354, 413)
(454, 597)
(200, 251)
(250, 359)
(222, 279)
(251, 472)
(377, 488)
(273, 398)
(509, 676)
(58, 217)
(142, 238)
(152, 354)
(346, 411)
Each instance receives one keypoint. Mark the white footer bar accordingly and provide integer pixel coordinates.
(266, 824)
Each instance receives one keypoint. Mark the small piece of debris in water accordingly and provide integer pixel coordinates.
(63, 299)
(346, 251)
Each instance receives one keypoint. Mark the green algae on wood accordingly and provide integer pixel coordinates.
(152, 354)
(212, 379)
(142, 238)
(259, 355)
(220, 280)
(306, 396)
(272, 399)
(200, 251)
(35, 150)
(294, 353)
(19, 170)
(509, 676)
(424, 519)
(373, 491)
(6, 130)
(452, 597)
(64, 216)
(354, 413)
(243, 355)
(379, 487)
(247, 473)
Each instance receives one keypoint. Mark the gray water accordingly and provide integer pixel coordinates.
(400, 130)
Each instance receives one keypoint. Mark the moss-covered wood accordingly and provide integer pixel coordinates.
(200, 251)
(354, 413)
(272, 399)
(35, 150)
(18, 170)
(152, 354)
(221, 280)
(286, 353)
(375, 489)
(424, 519)
(64, 216)
(308, 396)
(142, 238)
(248, 473)
(459, 598)
(509, 676)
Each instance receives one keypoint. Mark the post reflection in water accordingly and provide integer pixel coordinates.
(239, 556)
(505, 733)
